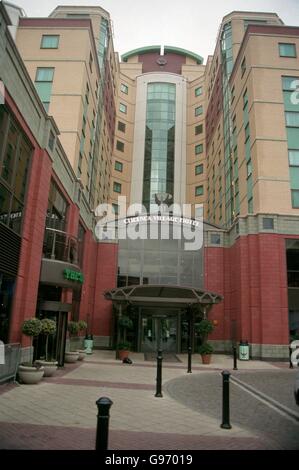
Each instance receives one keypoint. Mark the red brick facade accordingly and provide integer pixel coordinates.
(252, 277)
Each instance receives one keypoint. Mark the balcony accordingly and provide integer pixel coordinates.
(58, 245)
(62, 255)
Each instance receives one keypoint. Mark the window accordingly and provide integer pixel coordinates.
(49, 42)
(292, 119)
(268, 223)
(198, 149)
(287, 50)
(250, 206)
(199, 169)
(115, 208)
(198, 110)
(247, 132)
(249, 168)
(56, 216)
(116, 187)
(294, 157)
(198, 190)
(90, 61)
(51, 141)
(15, 155)
(295, 199)
(120, 146)
(118, 166)
(243, 67)
(121, 126)
(215, 238)
(123, 108)
(124, 88)
(198, 91)
(198, 129)
(43, 84)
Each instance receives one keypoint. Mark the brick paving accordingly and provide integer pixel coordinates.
(60, 412)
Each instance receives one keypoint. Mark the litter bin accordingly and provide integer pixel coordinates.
(88, 344)
(244, 351)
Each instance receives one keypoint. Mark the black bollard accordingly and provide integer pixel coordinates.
(235, 357)
(225, 400)
(189, 371)
(103, 405)
(290, 355)
(159, 375)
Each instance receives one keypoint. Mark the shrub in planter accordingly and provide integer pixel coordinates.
(206, 350)
(48, 328)
(29, 373)
(32, 328)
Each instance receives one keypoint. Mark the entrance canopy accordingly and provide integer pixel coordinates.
(163, 295)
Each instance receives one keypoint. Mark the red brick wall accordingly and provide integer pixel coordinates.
(253, 279)
(106, 273)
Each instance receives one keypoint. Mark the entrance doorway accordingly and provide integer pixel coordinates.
(159, 330)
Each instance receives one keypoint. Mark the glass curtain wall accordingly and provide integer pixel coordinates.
(158, 174)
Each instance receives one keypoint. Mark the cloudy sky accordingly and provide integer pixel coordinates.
(190, 24)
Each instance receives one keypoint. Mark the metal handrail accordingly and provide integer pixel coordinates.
(64, 249)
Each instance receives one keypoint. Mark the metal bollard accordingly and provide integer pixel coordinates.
(189, 371)
(235, 357)
(103, 405)
(290, 355)
(159, 375)
(225, 400)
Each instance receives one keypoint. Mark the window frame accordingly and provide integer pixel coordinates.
(120, 166)
(124, 88)
(116, 184)
(287, 44)
(123, 108)
(52, 36)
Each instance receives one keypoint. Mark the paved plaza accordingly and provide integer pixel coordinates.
(60, 412)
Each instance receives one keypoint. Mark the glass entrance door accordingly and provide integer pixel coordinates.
(159, 331)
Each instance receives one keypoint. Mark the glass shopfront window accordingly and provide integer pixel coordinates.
(15, 155)
(6, 293)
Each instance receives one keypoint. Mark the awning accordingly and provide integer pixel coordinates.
(163, 295)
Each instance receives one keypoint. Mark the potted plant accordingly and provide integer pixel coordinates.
(30, 373)
(48, 328)
(205, 350)
(123, 347)
(82, 325)
(73, 329)
(204, 328)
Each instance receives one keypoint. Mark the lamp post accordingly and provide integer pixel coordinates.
(159, 356)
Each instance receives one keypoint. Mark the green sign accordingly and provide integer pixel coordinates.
(73, 276)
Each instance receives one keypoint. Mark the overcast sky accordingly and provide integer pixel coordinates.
(190, 24)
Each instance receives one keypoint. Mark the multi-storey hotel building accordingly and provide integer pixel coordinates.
(80, 127)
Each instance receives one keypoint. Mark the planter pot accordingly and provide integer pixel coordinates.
(206, 358)
(71, 356)
(82, 354)
(123, 353)
(88, 345)
(30, 374)
(49, 366)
